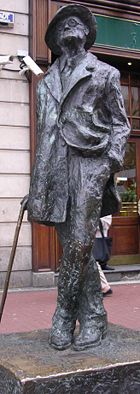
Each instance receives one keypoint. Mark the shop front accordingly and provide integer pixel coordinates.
(117, 43)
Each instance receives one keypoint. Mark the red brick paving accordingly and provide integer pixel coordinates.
(123, 307)
(33, 310)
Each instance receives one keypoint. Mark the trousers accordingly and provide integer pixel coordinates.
(79, 290)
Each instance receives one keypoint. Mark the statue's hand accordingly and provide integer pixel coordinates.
(24, 202)
(115, 164)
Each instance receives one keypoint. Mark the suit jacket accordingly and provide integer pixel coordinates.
(89, 117)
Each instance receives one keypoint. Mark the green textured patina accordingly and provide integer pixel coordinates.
(117, 32)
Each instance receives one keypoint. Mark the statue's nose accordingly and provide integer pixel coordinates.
(66, 27)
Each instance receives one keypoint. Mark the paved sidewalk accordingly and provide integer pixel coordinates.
(32, 310)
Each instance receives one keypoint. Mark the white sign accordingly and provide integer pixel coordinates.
(6, 19)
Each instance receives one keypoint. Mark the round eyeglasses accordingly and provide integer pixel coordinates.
(71, 22)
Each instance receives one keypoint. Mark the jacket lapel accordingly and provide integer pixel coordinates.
(53, 81)
(83, 70)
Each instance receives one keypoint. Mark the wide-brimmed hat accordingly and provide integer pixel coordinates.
(71, 10)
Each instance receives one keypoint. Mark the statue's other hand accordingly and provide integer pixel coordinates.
(115, 164)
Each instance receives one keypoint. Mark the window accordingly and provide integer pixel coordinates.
(126, 181)
(131, 94)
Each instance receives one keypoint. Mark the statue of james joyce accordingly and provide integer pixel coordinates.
(82, 129)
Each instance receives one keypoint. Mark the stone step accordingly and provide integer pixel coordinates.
(47, 279)
(123, 273)
(126, 273)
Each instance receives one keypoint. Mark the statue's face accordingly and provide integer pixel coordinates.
(71, 29)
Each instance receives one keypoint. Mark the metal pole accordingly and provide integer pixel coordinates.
(12, 255)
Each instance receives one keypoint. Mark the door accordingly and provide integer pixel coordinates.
(125, 229)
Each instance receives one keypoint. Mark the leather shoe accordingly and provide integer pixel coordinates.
(60, 340)
(108, 268)
(108, 293)
(88, 337)
(61, 334)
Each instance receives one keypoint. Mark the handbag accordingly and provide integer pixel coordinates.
(102, 248)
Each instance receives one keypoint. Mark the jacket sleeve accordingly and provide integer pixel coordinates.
(120, 127)
(40, 106)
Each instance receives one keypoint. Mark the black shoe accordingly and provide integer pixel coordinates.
(60, 341)
(63, 326)
(88, 337)
(108, 293)
(91, 333)
(108, 268)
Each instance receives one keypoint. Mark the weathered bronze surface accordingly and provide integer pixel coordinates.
(81, 137)
(30, 366)
(9, 384)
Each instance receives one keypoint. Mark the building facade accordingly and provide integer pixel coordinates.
(117, 43)
(14, 144)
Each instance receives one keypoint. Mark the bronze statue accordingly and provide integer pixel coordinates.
(81, 137)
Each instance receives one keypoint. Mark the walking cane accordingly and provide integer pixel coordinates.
(12, 255)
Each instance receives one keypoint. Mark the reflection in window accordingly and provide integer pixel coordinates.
(126, 182)
(131, 94)
(135, 102)
(124, 90)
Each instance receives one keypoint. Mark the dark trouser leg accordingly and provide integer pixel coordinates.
(69, 284)
(79, 293)
(92, 315)
(79, 297)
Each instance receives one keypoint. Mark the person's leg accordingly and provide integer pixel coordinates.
(79, 291)
(91, 315)
(70, 278)
(91, 312)
(104, 283)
